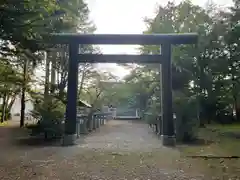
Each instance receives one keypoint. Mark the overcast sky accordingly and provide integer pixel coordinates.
(126, 17)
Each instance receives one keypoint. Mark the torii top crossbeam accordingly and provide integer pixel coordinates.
(129, 39)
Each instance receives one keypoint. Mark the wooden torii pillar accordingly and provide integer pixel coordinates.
(75, 57)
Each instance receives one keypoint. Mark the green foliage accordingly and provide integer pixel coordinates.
(97, 91)
(187, 122)
(50, 110)
(50, 115)
(205, 79)
(151, 118)
(28, 20)
(153, 113)
(8, 114)
(24, 25)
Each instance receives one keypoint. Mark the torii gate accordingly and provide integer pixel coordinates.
(75, 57)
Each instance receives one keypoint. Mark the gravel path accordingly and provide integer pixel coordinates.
(123, 135)
(120, 150)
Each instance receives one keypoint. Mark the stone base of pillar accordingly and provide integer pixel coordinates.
(69, 139)
(168, 140)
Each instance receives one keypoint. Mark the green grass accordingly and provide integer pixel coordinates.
(219, 142)
(226, 128)
(5, 123)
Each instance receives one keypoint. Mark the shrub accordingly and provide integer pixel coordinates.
(151, 118)
(153, 113)
(186, 122)
(50, 116)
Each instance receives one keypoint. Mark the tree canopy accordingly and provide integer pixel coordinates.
(206, 73)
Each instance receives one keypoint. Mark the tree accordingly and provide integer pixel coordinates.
(10, 87)
(232, 57)
(200, 69)
(201, 75)
(24, 22)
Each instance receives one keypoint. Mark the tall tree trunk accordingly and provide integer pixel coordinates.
(3, 115)
(8, 98)
(235, 97)
(10, 104)
(236, 108)
(24, 84)
(7, 111)
(53, 72)
(14, 96)
(200, 93)
(81, 83)
(57, 76)
(63, 71)
(47, 73)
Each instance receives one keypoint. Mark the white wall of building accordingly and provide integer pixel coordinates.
(17, 106)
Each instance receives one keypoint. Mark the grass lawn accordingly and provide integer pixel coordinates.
(5, 123)
(220, 141)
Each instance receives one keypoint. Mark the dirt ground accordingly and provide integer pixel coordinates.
(120, 150)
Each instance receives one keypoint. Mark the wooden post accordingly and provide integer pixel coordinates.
(161, 101)
(71, 110)
(168, 134)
